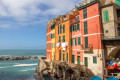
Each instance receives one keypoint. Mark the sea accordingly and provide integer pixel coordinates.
(19, 69)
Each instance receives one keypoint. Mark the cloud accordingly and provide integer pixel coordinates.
(32, 11)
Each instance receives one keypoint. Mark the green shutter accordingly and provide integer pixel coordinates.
(106, 16)
(78, 27)
(63, 38)
(79, 41)
(85, 13)
(51, 35)
(75, 41)
(75, 28)
(78, 59)
(58, 29)
(60, 55)
(86, 42)
(77, 18)
(64, 28)
(73, 58)
(85, 27)
(67, 56)
(63, 57)
(70, 28)
(59, 39)
(117, 2)
(94, 59)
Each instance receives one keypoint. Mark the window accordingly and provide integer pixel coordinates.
(67, 56)
(85, 13)
(118, 13)
(77, 18)
(74, 41)
(63, 38)
(64, 28)
(95, 59)
(118, 31)
(86, 42)
(59, 39)
(73, 58)
(79, 41)
(78, 27)
(85, 27)
(58, 29)
(51, 35)
(75, 28)
(106, 16)
(60, 55)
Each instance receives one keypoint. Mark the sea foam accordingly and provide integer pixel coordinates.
(22, 65)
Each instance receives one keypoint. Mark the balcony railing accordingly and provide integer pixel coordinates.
(89, 47)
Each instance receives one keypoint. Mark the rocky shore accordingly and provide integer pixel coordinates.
(17, 57)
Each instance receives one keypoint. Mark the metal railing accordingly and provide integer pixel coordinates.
(89, 47)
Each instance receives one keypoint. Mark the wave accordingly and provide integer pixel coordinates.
(27, 70)
(5, 55)
(2, 67)
(23, 65)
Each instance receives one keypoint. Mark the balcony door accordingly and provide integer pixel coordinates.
(86, 61)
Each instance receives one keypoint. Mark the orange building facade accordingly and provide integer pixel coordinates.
(62, 39)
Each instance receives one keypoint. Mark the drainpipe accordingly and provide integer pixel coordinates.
(103, 52)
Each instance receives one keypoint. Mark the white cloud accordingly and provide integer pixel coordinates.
(28, 10)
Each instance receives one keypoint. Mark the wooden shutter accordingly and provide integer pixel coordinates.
(59, 55)
(86, 42)
(77, 18)
(75, 28)
(85, 13)
(78, 27)
(73, 58)
(64, 28)
(106, 16)
(63, 38)
(79, 41)
(85, 27)
(58, 29)
(67, 56)
(94, 59)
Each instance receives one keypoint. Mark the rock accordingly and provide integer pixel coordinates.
(17, 57)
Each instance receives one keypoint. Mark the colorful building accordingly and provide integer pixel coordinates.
(53, 39)
(49, 42)
(62, 38)
(81, 36)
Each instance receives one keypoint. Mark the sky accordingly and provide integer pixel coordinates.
(23, 22)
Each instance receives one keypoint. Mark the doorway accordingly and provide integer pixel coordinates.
(86, 61)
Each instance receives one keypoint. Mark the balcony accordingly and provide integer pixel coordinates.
(89, 47)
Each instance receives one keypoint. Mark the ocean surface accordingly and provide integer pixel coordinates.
(21, 69)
